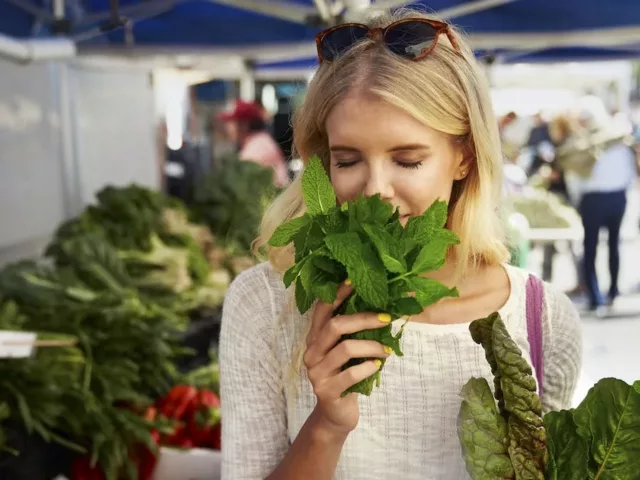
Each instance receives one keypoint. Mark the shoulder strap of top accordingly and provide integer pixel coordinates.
(534, 326)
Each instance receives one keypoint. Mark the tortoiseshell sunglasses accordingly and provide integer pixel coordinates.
(410, 38)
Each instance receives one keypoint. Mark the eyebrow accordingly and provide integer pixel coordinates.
(399, 148)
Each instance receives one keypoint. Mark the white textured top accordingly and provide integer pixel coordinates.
(407, 427)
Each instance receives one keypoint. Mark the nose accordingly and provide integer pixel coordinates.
(379, 182)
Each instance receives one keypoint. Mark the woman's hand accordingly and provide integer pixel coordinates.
(325, 357)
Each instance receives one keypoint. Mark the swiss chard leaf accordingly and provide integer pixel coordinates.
(609, 419)
(482, 333)
(483, 433)
(527, 446)
(568, 451)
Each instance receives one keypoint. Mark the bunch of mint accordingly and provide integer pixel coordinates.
(363, 240)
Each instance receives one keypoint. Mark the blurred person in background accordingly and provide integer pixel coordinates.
(598, 185)
(246, 126)
(539, 142)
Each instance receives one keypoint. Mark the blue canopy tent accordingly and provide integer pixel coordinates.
(281, 30)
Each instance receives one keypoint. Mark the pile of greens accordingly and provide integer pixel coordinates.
(90, 397)
(600, 439)
(363, 240)
(167, 257)
(232, 200)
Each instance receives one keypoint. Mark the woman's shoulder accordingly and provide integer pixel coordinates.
(259, 279)
(254, 298)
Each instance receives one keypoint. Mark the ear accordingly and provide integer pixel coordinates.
(464, 162)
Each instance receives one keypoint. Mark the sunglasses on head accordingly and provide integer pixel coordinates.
(410, 38)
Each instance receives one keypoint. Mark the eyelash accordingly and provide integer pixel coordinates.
(411, 165)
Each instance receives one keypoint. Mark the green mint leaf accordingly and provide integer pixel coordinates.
(285, 232)
(308, 238)
(568, 451)
(483, 433)
(431, 257)
(395, 218)
(318, 283)
(308, 275)
(334, 222)
(609, 419)
(391, 252)
(370, 279)
(363, 266)
(345, 248)
(379, 212)
(317, 190)
(429, 291)
(405, 307)
(422, 229)
(291, 274)
(333, 268)
(326, 291)
(384, 336)
(303, 299)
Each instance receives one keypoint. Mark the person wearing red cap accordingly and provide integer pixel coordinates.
(248, 129)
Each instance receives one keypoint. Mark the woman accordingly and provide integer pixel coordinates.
(413, 129)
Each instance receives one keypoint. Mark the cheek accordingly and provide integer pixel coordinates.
(347, 183)
(421, 188)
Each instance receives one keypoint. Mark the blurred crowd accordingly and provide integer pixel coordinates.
(589, 157)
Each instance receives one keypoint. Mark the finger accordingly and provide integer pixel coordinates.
(324, 311)
(334, 387)
(331, 364)
(341, 325)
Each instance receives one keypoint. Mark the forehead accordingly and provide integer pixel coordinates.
(367, 120)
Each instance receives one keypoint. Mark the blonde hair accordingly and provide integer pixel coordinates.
(448, 92)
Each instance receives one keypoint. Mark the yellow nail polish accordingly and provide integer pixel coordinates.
(378, 363)
(348, 282)
(388, 350)
(384, 317)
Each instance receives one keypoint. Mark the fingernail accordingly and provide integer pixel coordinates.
(378, 363)
(347, 282)
(384, 317)
(388, 350)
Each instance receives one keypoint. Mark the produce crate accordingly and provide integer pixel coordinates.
(193, 464)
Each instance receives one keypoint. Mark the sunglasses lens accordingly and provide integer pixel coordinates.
(341, 39)
(410, 39)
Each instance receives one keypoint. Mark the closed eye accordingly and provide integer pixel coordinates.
(413, 165)
(346, 164)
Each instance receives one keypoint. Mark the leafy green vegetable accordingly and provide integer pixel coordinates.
(232, 200)
(518, 404)
(609, 420)
(568, 451)
(319, 196)
(527, 439)
(600, 439)
(364, 240)
(484, 433)
(126, 353)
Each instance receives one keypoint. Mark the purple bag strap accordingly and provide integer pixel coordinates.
(534, 326)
